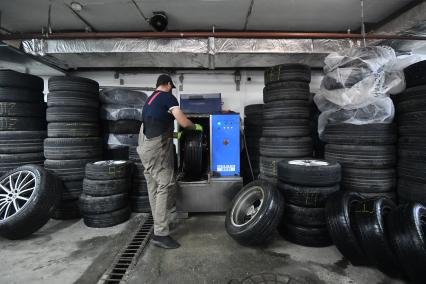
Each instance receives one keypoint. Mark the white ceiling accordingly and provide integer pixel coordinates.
(193, 15)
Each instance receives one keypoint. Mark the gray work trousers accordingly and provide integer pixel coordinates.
(157, 156)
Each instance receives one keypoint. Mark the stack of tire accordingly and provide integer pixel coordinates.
(105, 202)
(306, 186)
(73, 136)
(22, 120)
(374, 231)
(121, 114)
(411, 116)
(253, 122)
(286, 126)
(367, 154)
(139, 200)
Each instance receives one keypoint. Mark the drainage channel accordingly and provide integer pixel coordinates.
(126, 260)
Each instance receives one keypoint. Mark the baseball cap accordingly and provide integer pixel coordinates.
(163, 79)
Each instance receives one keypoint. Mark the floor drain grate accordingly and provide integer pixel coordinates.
(128, 256)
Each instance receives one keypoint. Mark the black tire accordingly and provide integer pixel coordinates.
(67, 210)
(313, 197)
(369, 226)
(107, 219)
(411, 105)
(293, 147)
(260, 228)
(253, 132)
(338, 209)
(370, 134)
(411, 130)
(412, 148)
(363, 157)
(305, 236)
(139, 188)
(13, 79)
(309, 172)
(412, 118)
(22, 124)
(107, 170)
(105, 187)
(286, 110)
(77, 84)
(72, 190)
(102, 204)
(411, 191)
(253, 121)
(70, 98)
(270, 179)
(68, 170)
(416, 93)
(73, 129)
(412, 170)
(304, 216)
(119, 152)
(268, 166)
(407, 233)
(13, 142)
(286, 91)
(72, 148)
(138, 171)
(288, 72)
(12, 161)
(391, 195)
(122, 126)
(18, 109)
(193, 153)
(133, 154)
(140, 204)
(253, 110)
(415, 74)
(72, 114)
(286, 128)
(37, 210)
(368, 180)
(20, 95)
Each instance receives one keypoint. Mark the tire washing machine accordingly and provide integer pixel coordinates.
(208, 162)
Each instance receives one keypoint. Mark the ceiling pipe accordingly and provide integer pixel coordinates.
(246, 35)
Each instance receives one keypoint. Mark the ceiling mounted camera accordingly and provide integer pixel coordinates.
(159, 21)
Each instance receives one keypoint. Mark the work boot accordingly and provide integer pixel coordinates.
(165, 242)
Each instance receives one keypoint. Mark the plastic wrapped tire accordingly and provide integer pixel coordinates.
(109, 219)
(256, 228)
(338, 209)
(33, 213)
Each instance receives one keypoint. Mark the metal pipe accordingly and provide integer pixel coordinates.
(247, 35)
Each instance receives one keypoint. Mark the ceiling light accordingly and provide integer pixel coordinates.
(77, 7)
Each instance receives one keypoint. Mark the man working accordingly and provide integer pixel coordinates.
(157, 154)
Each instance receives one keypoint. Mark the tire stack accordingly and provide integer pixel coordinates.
(367, 154)
(139, 200)
(121, 114)
(306, 186)
(105, 202)
(73, 136)
(411, 116)
(253, 122)
(286, 127)
(22, 120)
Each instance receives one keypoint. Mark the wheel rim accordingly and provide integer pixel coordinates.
(15, 192)
(308, 163)
(247, 206)
(109, 163)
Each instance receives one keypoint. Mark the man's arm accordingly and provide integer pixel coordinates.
(182, 119)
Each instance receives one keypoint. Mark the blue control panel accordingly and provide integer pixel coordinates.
(225, 144)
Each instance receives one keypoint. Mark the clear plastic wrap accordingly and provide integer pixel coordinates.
(123, 97)
(357, 84)
(114, 140)
(120, 112)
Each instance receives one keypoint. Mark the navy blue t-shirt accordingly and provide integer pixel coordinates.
(156, 115)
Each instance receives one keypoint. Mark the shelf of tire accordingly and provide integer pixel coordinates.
(73, 136)
(411, 118)
(367, 154)
(22, 120)
(286, 131)
(105, 198)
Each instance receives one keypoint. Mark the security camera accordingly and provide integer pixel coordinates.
(159, 21)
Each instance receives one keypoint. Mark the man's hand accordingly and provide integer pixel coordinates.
(198, 127)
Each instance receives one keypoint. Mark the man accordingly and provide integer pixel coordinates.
(157, 154)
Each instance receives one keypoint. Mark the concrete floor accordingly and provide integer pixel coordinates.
(209, 255)
(69, 252)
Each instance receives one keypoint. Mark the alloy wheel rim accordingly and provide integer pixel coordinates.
(15, 192)
(247, 206)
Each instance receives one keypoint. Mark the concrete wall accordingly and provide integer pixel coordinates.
(198, 82)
